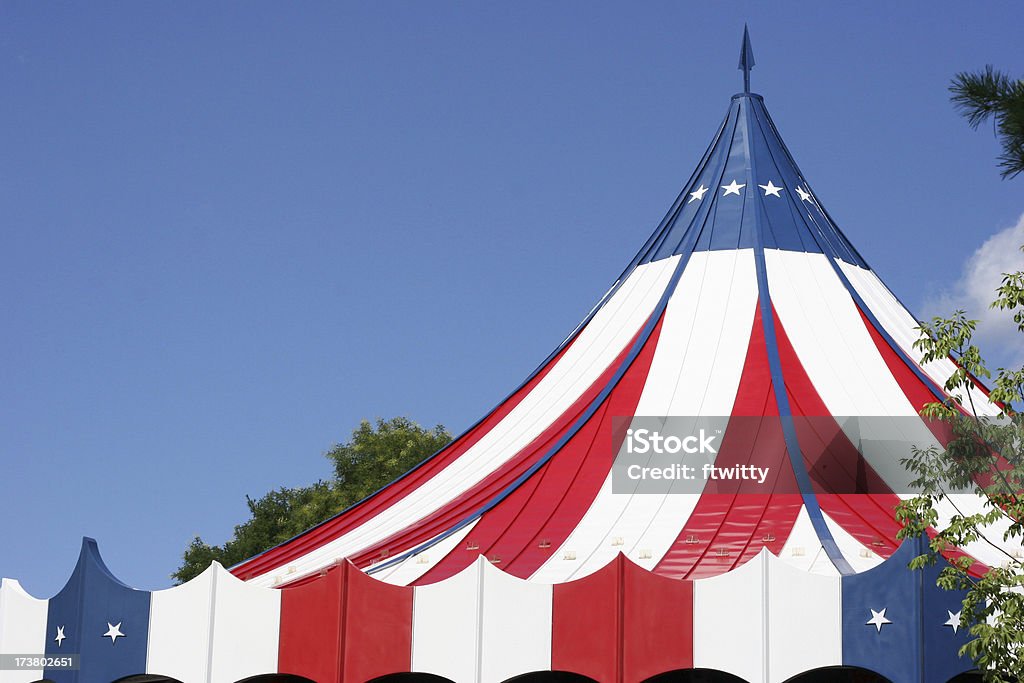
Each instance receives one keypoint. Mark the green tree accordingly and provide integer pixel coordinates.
(986, 456)
(993, 94)
(375, 455)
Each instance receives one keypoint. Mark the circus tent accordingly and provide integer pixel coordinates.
(525, 547)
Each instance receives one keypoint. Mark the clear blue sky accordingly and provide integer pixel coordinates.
(232, 230)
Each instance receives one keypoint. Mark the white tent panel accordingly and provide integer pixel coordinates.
(481, 626)
(246, 629)
(515, 625)
(729, 622)
(22, 628)
(805, 624)
(179, 628)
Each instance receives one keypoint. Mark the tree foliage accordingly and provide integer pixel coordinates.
(375, 455)
(993, 94)
(379, 453)
(985, 455)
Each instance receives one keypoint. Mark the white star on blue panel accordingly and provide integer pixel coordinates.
(113, 632)
(732, 188)
(877, 619)
(954, 620)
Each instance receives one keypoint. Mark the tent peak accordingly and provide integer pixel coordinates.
(746, 59)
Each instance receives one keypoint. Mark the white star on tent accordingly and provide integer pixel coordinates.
(804, 194)
(770, 189)
(698, 195)
(954, 620)
(732, 188)
(60, 636)
(113, 632)
(877, 619)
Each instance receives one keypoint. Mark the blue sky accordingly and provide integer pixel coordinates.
(230, 231)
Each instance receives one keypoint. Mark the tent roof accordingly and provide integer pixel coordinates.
(748, 304)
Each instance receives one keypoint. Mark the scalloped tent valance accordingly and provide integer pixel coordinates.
(764, 621)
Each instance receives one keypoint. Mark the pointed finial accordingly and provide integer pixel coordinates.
(746, 59)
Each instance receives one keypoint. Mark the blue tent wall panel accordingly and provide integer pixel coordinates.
(92, 601)
(941, 643)
(893, 650)
(912, 644)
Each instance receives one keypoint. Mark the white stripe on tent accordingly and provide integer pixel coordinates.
(766, 621)
(995, 551)
(900, 324)
(852, 378)
(214, 628)
(860, 557)
(22, 628)
(415, 566)
(696, 370)
(823, 324)
(843, 362)
(803, 550)
(585, 360)
(481, 626)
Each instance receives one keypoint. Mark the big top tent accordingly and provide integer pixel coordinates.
(523, 551)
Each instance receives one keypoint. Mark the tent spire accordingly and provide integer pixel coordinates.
(746, 59)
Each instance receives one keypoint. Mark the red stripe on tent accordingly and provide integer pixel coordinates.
(847, 487)
(345, 626)
(916, 391)
(472, 500)
(732, 521)
(522, 532)
(373, 505)
(918, 394)
(596, 620)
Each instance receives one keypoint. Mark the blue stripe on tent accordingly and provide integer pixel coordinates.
(793, 449)
(92, 603)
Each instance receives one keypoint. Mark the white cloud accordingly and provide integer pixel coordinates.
(997, 334)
